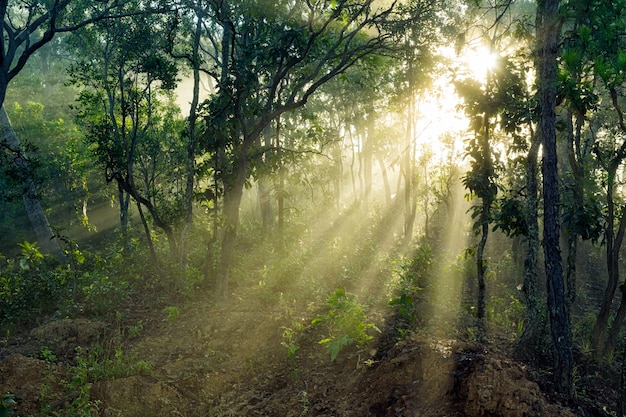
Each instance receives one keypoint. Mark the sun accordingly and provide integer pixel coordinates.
(478, 61)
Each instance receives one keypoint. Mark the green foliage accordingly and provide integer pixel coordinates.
(135, 330)
(92, 366)
(507, 312)
(59, 165)
(30, 285)
(171, 313)
(100, 364)
(289, 342)
(34, 286)
(412, 278)
(510, 217)
(7, 401)
(345, 322)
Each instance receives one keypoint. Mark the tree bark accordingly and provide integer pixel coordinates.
(233, 192)
(613, 245)
(559, 321)
(32, 204)
(532, 331)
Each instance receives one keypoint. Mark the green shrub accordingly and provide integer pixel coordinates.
(412, 278)
(345, 321)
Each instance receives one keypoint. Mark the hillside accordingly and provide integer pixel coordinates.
(205, 361)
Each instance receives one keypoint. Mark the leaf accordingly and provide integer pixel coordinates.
(585, 33)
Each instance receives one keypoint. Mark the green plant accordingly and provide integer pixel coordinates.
(104, 365)
(507, 312)
(171, 313)
(345, 321)
(413, 276)
(135, 330)
(304, 400)
(403, 334)
(289, 342)
(7, 400)
(48, 355)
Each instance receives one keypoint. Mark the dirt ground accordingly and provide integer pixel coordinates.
(208, 361)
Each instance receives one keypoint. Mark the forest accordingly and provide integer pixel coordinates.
(312, 208)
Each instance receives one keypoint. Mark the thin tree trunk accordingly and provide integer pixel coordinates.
(124, 199)
(532, 331)
(616, 327)
(281, 179)
(613, 245)
(409, 211)
(146, 230)
(383, 170)
(264, 188)
(32, 204)
(481, 264)
(192, 140)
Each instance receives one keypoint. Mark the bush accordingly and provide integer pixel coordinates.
(345, 321)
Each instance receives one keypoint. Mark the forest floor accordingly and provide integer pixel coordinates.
(201, 360)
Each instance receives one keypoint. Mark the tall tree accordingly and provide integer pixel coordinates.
(548, 43)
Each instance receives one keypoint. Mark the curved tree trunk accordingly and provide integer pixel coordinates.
(613, 244)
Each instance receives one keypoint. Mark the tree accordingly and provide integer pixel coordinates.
(27, 27)
(272, 60)
(548, 32)
(126, 76)
(480, 180)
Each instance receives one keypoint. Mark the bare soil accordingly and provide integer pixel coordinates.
(209, 361)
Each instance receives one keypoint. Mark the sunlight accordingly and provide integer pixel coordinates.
(438, 115)
(479, 61)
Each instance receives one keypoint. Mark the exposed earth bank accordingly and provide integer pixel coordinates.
(210, 362)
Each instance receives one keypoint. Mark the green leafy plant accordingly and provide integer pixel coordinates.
(7, 401)
(345, 321)
(171, 313)
(289, 342)
(135, 330)
(48, 355)
(110, 365)
(413, 276)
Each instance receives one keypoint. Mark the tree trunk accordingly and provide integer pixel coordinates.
(265, 203)
(532, 331)
(265, 190)
(367, 151)
(32, 204)
(575, 189)
(409, 211)
(233, 192)
(559, 321)
(621, 409)
(613, 245)
(192, 141)
(481, 265)
(616, 327)
(124, 201)
(383, 170)
(146, 230)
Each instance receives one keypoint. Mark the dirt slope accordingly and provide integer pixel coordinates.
(212, 362)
